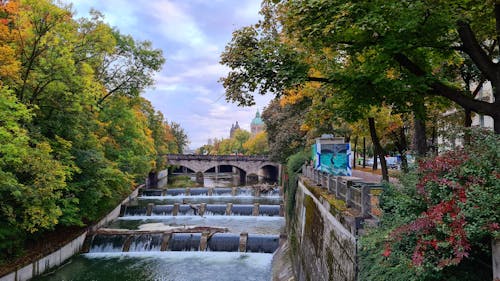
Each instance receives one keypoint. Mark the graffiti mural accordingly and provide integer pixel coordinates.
(332, 158)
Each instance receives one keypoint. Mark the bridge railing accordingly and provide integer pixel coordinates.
(194, 157)
(356, 193)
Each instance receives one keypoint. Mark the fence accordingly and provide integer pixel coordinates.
(356, 194)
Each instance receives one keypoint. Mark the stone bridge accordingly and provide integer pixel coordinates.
(250, 168)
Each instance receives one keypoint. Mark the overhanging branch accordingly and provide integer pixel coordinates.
(471, 47)
(453, 94)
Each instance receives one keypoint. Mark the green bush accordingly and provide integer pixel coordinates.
(439, 224)
(294, 165)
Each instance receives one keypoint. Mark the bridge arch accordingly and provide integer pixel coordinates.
(239, 167)
(269, 172)
(235, 169)
(250, 168)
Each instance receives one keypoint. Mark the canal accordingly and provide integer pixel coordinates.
(157, 237)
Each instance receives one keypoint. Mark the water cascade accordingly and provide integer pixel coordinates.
(163, 232)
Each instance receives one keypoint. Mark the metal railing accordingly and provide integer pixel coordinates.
(356, 194)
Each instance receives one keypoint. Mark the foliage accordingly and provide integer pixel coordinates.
(343, 58)
(440, 224)
(127, 139)
(130, 67)
(283, 126)
(257, 145)
(75, 135)
(293, 168)
(401, 43)
(235, 144)
(180, 136)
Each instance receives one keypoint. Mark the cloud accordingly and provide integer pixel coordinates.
(246, 12)
(192, 34)
(176, 24)
(201, 73)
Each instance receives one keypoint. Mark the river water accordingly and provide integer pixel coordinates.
(146, 262)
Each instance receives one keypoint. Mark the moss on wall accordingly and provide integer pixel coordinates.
(329, 263)
(314, 225)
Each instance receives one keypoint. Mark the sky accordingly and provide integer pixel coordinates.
(192, 34)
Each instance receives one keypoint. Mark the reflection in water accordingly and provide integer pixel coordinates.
(221, 180)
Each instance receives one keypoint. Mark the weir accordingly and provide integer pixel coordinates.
(183, 228)
(203, 209)
(179, 241)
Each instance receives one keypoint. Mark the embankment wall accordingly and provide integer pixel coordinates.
(322, 247)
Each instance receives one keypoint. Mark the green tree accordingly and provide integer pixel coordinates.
(33, 182)
(129, 69)
(419, 37)
(181, 138)
(127, 139)
(66, 161)
(239, 138)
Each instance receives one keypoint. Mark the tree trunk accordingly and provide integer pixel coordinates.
(467, 124)
(355, 151)
(402, 147)
(419, 136)
(496, 123)
(378, 149)
(364, 152)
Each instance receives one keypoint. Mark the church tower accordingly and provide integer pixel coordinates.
(234, 127)
(257, 124)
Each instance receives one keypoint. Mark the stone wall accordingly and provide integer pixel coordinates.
(322, 247)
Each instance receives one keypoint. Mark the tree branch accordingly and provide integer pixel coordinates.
(471, 46)
(453, 94)
(319, 79)
(405, 62)
(478, 88)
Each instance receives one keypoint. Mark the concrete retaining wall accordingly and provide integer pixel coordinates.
(59, 256)
(162, 178)
(116, 211)
(40, 266)
(323, 248)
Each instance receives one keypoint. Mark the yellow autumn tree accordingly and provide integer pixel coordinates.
(257, 145)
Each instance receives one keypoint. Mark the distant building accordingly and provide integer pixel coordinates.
(234, 127)
(257, 124)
